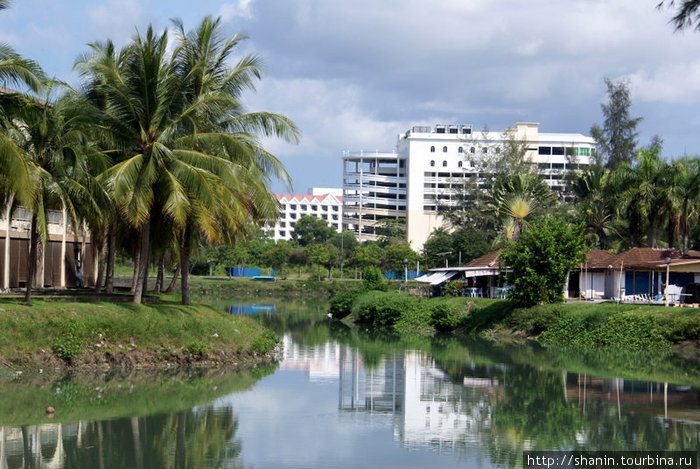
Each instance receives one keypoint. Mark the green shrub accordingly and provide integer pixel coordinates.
(197, 348)
(68, 346)
(446, 316)
(265, 342)
(383, 308)
(453, 288)
(341, 304)
(372, 279)
(534, 320)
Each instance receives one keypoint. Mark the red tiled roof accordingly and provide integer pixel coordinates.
(306, 198)
(599, 259)
(487, 260)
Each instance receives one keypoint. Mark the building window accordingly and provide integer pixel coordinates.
(545, 151)
(444, 162)
(460, 150)
(282, 233)
(444, 149)
(314, 207)
(335, 208)
(432, 162)
(432, 149)
(557, 150)
(485, 149)
(459, 164)
(303, 207)
(293, 207)
(472, 150)
(293, 216)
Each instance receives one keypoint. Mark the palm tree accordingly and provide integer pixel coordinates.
(640, 191)
(595, 204)
(517, 197)
(685, 193)
(52, 139)
(185, 151)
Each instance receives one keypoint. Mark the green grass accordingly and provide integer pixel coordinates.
(74, 332)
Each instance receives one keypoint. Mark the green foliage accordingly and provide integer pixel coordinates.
(541, 259)
(266, 342)
(396, 255)
(67, 345)
(446, 316)
(341, 304)
(311, 230)
(372, 279)
(383, 308)
(617, 138)
(197, 348)
(368, 254)
(453, 288)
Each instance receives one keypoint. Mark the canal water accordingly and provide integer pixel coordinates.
(346, 398)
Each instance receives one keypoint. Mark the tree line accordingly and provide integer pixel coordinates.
(153, 153)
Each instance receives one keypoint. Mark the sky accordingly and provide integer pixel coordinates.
(353, 75)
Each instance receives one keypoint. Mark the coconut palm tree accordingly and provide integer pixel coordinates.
(53, 140)
(183, 146)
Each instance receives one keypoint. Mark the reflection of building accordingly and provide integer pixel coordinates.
(428, 407)
(38, 445)
(320, 361)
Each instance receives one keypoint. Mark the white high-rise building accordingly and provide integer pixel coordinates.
(429, 166)
(323, 203)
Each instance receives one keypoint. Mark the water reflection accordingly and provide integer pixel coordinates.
(343, 397)
(200, 437)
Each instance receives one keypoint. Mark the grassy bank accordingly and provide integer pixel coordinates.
(632, 327)
(54, 334)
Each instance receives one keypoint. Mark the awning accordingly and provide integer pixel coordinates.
(436, 278)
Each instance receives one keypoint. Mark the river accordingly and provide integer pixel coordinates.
(347, 398)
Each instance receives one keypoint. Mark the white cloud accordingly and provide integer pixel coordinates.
(674, 83)
(239, 9)
(116, 19)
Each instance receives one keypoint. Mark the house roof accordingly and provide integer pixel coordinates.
(309, 199)
(599, 259)
(485, 261)
(637, 258)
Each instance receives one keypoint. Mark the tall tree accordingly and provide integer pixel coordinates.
(186, 150)
(617, 138)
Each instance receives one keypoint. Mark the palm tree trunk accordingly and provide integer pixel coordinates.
(111, 254)
(161, 273)
(185, 267)
(176, 274)
(32, 261)
(8, 240)
(142, 270)
(101, 261)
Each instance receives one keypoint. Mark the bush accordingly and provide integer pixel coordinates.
(68, 346)
(265, 343)
(383, 308)
(372, 279)
(341, 304)
(446, 316)
(453, 288)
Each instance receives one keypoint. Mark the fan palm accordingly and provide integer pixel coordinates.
(517, 197)
(184, 149)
